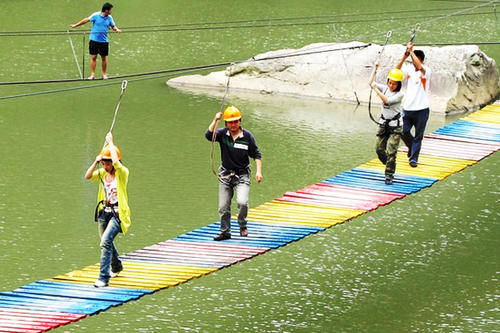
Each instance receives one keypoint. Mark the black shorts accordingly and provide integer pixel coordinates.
(98, 48)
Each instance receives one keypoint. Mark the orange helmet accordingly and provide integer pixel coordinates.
(232, 113)
(106, 153)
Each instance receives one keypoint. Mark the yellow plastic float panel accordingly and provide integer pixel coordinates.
(428, 166)
(152, 276)
(301, 214)
(489, 114)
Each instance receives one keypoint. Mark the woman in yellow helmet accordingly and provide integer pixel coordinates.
(114, 214)
(390, 124)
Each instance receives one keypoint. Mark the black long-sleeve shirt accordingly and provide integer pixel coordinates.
(235, 153)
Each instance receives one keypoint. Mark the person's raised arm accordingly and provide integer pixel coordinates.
(417, 63)
(375, 67)
(378, 92)
(91, 169)
(112, 148)
(212, 125)
(405, 55)
(82, 22)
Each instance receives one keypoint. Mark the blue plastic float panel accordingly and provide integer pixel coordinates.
(375, 180)
(471, 130)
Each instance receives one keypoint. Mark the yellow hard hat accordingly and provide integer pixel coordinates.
(396, 75)
(232, 113)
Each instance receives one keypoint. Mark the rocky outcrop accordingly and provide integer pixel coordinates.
(463, 77)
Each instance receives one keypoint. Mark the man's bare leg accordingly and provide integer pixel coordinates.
(93, 61)
(104, 67)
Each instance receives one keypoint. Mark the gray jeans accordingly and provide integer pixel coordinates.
(227, 188)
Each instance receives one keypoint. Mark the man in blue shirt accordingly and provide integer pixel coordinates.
(101, 21)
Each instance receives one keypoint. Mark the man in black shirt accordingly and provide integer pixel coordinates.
(236, 144)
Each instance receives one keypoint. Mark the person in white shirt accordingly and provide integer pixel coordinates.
(416, 103)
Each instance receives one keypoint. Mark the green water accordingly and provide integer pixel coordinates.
(426, 263)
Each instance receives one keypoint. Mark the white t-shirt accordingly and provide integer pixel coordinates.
(417, 87)
(111, 191)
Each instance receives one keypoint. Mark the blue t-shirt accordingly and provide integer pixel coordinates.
(100, 27)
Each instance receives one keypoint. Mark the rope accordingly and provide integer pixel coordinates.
(406, 27)
(83, 55)
(94, 86)
(387, 37)
(214, 134)
(74, 55)
(346, 67)
(124, 86)
(224, 27)
(449, 44)
(175, 70)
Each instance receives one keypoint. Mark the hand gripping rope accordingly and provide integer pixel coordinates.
(387, 37)
(214, 134)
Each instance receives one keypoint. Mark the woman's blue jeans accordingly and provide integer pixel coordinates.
(109, 228)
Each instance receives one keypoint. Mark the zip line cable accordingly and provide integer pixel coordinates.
(36, 32)
(170, 72)
(209, 66)
(156, 75)
(202, 28)
(294, 18)
(409, 26)
(460, 12)
(45, 92)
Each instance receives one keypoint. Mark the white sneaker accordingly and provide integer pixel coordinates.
(104, 77)
(113, 274)
(91, 77)
(100, 284)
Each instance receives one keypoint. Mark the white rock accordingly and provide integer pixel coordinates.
(463, 77)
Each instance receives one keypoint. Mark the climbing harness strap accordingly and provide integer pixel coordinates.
(107, 208)
(387, 128)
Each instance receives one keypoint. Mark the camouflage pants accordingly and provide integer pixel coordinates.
(387, 147)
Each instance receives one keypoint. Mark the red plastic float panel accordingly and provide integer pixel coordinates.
(15, 320)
